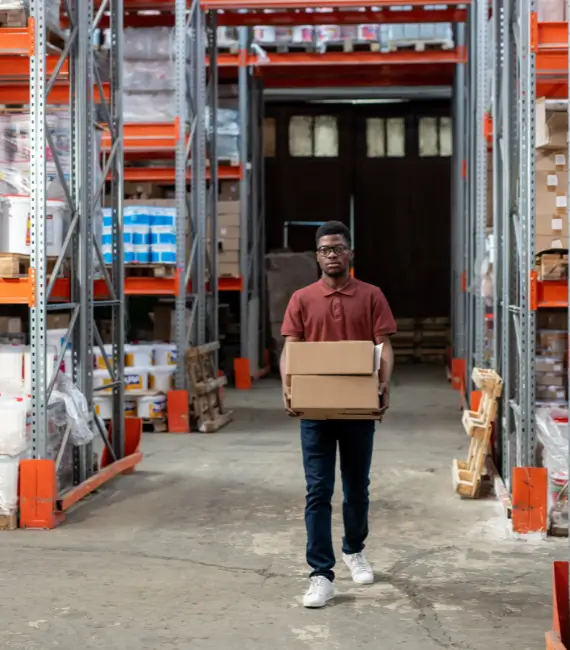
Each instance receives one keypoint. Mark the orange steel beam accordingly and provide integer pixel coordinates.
(167, 175)
(97, 480)
(551, 294)
(552, 88)
(15, 40)
(552, 35)
(136, 286)
(416, 15)
(235, 5)
(14, 66)
(145, 137)
(15, 94)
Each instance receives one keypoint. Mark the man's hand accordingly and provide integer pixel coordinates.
(287, 404)
(384, 390)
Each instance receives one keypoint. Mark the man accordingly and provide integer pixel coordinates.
(337, 308)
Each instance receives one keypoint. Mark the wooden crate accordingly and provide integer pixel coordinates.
(17, 266)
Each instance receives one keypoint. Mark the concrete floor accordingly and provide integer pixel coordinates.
(203, 548)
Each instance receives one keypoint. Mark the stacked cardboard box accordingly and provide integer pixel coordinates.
(551, 352)
(228, 238)
(332, 381)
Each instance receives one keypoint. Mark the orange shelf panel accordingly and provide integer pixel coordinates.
(19, 291)
(236, 5)
(551, 294)
(145, 137)
(14, 66)
(18, 93)
(552, 35)
(138, 286)
(15, 40)
(167, 175)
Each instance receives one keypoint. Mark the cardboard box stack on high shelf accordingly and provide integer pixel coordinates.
(552, 251)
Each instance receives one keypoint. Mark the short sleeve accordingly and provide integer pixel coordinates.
(293, 322)
(382, 318)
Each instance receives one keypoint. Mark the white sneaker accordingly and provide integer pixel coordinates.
(360, 568)
(320, 592)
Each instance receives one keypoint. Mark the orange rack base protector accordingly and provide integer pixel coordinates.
(559, 637)
(41, 506)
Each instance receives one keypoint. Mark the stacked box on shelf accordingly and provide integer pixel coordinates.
(228, 238)
(14, 13)
(551, 354)
(149, 232)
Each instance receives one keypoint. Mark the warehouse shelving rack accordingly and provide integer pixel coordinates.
(37, 73)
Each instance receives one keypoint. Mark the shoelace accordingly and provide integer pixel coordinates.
(359, 562)
(319, 582)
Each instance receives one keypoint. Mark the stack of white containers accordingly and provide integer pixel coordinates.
(14, 444)
(149, 373)
(149, 234)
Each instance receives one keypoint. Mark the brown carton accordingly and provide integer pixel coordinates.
(330, 358)
(549, 365)
(552, 342)
(332, 394)
(553, 266)
(550, 379)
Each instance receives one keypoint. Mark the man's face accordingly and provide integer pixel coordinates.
(333, 255)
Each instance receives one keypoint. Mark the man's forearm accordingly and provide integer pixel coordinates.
(282, 364)
(387, 361)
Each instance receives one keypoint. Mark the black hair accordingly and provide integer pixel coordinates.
(334, 228)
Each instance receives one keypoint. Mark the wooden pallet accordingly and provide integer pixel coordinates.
(418, 45)
(207, 408)
(150, 270)
(17, 266)
(9, 522)
(155, 425)
(478, 425)
(352, 45)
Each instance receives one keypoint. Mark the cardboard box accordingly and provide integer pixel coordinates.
(228, 244)
(550, 393)
(553, 266)
(228, 269)
(334, 393)
(143, 191)
(551, 161)
(13, 325)
(550, 379)
(551, 127)
(549, 364)
(228, 257)
(551, 319)
(330, 358)
(552, 342)
(229, 191)
(553, 240)
(58, 321)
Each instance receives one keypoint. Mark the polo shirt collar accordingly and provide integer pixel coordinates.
(348, 289)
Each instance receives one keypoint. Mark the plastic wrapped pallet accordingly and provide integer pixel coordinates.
(148, 44)
(149, 76)
(552, 434)
(149, 107)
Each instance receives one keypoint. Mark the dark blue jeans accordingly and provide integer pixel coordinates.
(319, 440)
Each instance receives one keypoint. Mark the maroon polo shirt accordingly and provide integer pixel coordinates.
(357, 312)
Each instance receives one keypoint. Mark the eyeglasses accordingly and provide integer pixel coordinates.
(327, 251)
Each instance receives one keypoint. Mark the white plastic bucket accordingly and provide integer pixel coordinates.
(102, 378)
(55, 217)
(161, 378)
(14, 430)
(136, 378)
(165, 354)
(99, 359)
(15, 224)
(152, 406)
(103, 407)
(9, 474)
(130, 408)
(137, 356)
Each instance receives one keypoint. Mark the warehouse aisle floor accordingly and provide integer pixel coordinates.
(202, 549)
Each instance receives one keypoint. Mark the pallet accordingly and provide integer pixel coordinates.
(351, 45)
(206, 402)
(478, 425)
(18, 266)
(9, 522)
(284, 48)
(155, 425)
(150, 270)
(418, 45)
